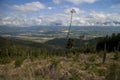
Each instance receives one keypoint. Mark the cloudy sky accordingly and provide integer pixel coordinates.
(57, 12)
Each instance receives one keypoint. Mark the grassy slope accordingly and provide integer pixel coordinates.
(72, 67)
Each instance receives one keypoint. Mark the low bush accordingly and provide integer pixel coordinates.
(18, 62)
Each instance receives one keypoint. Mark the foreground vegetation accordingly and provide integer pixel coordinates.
(71, 67)
(25, 60)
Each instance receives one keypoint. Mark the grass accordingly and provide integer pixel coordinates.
(85, 67)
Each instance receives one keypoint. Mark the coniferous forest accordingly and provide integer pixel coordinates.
(112, 43)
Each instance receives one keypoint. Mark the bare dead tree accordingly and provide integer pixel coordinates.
(69, 30)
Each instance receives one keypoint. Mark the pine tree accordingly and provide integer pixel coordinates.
(70, 43)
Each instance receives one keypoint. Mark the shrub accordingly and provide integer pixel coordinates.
(114, 72)
(5, 60)
(54, 63)
(76, 57)
(91, 57)
(116, 55)
(18, 62)
(75, 75)
(101, 72)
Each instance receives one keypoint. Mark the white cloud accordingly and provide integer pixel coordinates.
(50, 8)
(92, 19)
(100, 18)
(57, 1)
(55, 19)
(77, 2)
(31, 7)
(20, 20)
(99, 15)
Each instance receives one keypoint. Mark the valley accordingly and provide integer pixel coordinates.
(44, 33)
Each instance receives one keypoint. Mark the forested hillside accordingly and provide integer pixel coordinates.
(112, 43)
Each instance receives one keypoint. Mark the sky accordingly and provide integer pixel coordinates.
(24, 13)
